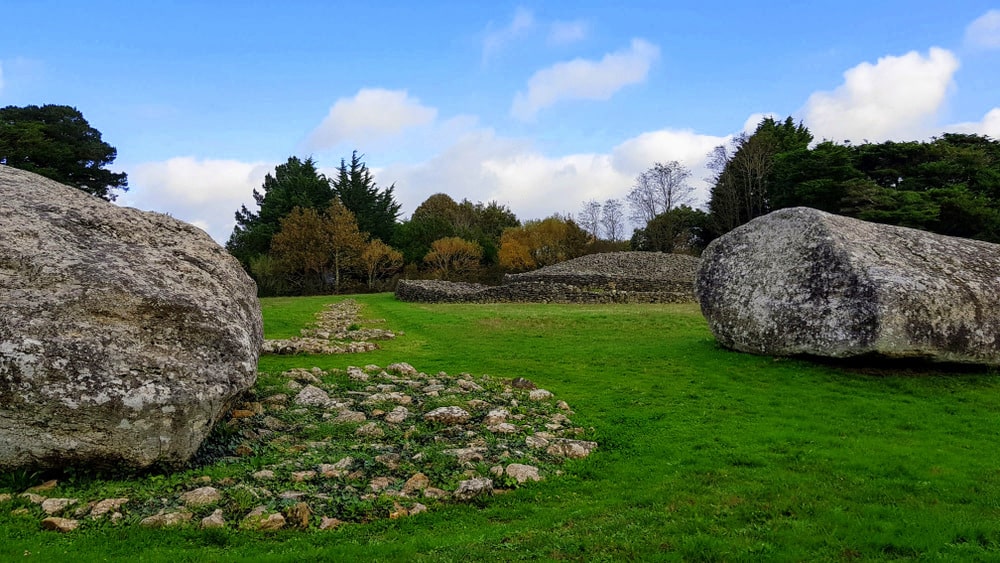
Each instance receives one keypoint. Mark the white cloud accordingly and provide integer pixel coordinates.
(372, 114)
(564, 33)
(984, 32)
(583, 79)
(203, 192)
(896, 98)
(484, 167)
(989, 126)
(494, 41)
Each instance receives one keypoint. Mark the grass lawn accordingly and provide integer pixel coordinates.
(705, 454)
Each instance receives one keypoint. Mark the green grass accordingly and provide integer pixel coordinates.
(705, 454)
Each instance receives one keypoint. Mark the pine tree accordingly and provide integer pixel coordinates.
(376, 210)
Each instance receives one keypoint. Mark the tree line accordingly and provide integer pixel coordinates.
(310, 233)
(948, 185)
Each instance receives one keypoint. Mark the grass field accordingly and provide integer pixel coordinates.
(705, 454)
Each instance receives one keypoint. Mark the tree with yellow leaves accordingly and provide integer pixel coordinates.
(453, 256)
(380, 260)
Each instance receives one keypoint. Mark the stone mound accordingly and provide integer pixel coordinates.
(613, 277)
(804, 282)
(124, 335)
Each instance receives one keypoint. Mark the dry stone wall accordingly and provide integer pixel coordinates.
(614, 277)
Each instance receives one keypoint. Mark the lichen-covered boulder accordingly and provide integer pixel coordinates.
(123, 334)
(803, 282)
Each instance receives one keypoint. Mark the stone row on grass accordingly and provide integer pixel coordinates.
(316, 448)
(335, 331)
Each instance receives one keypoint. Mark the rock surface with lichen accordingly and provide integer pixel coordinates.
(124, 334)
(803, 282)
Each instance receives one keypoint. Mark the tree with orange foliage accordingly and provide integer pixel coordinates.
(541, 243)
(323, 245)
(453, 256)
(380, 260)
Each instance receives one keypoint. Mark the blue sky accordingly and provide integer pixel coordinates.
(538, 105)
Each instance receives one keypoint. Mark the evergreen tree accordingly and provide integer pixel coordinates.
(376, 210)
(297, 183)
(58, 143)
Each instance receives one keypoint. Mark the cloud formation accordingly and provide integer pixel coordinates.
(989, 126)
(565, 33)
(984, 32)
(494, 41)
(582, 79)
(372, 114)
(895, 98)
(203, 192)
(484, 167)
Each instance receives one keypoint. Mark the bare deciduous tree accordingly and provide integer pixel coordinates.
(613, 219)
(590, 218)
(659, 189)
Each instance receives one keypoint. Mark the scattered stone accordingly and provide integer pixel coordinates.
(401, 368)
(417, 482)
(539, 395)
(327, 523)
(474, 488)
(448, 415)
(397, 415)
(536, 441)
(44, 487)
(393, 397)
(391, 461)
(299, 515)
(563, 405)
(313, 396)
(214, 520)
(33, 498)
(469, 385)
(435, 493)
(201, 497)
(398, 511)
(348, 416)
(522, 473)
(466, 455)
(277, 399)
(502, 428)
(52, 506)
(264, 475)
(571, 448)
(496, 416)
(300, 476)
(166, 520)
(370, 430)
(496, 471)
(5, 497)
(272, 522)
(379, 483)
(59, 524)
(522, 383)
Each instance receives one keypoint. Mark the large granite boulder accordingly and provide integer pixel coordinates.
(801, 281)
(123, 334)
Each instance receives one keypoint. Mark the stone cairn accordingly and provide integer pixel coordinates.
(613, 277)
